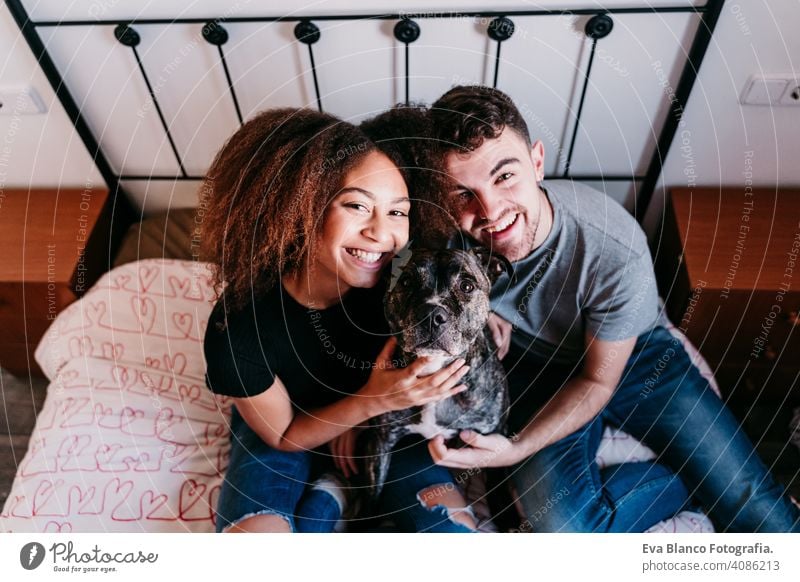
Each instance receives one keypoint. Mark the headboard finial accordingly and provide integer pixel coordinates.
(127, 35)
(306, 32)
(501, 28)
(406, 31)
(214, 33)
(599, 26)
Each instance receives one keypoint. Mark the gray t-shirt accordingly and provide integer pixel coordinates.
(593, 274)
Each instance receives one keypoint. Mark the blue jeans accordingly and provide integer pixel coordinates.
(663, 401)
(261, 480)
(413, 486)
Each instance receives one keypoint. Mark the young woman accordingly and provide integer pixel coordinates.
(302, 214)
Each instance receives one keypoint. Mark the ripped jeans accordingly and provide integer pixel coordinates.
(412, 497)
(261, 480)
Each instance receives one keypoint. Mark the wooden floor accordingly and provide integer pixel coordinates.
(22, 400)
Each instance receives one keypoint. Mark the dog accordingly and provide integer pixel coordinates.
(438, 306)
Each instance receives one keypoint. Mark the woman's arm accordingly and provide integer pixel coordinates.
(271, 416)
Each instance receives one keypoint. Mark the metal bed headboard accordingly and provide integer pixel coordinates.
(406, 31)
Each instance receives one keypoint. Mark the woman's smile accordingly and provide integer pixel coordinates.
(365, 259)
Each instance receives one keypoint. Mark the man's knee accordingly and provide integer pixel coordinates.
(558, 513)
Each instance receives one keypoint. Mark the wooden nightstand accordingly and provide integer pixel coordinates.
(54, 247)
(729, 269)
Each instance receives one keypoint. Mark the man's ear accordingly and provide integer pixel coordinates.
(494, 263)
(537, 157)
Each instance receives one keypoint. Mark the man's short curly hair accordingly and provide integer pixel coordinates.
(467, 115)
(265, 193)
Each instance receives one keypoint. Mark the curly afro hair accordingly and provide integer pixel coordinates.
(264, 195)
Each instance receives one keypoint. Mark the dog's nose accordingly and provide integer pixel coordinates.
(438, 317)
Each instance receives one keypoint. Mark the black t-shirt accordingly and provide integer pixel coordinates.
(319, 355)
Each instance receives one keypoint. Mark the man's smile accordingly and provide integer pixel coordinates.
(503, 226)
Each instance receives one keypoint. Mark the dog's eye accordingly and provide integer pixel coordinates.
(467, 287)
(405, 282)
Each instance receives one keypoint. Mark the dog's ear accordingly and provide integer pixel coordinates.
(494, 263)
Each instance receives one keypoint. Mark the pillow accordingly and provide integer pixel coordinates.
(129, 437)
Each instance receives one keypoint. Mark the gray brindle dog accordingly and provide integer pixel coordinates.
(438, 307)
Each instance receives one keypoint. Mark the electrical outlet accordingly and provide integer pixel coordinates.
(792, 94)
(773, 90)
(20, 101)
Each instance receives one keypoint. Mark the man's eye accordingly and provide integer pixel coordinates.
(504, 176)
(466, 287)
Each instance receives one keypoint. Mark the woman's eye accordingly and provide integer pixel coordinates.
(466, 287)
(464, 195)
(398, 213)
(357, 206)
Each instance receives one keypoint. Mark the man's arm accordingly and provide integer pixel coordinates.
(573, 406)
(581, 399)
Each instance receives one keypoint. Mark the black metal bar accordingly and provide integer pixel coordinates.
(214, 33)
(597, 27)
(309, 33)
(408, 82)
(697, 52)
(28, 30)
(500, 29)
(577, 126)
(384, 16)
(158, 110)
(122, 213)
(496, 64)
(146, 178)
(314, 75)
(407, 31)
(577, 177)
(598, 178)
(230, 84)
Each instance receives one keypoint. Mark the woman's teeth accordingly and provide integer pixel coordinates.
(365, 256)
(502, 225)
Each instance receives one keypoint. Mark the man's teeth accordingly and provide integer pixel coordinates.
(365, 256)
(502, 225)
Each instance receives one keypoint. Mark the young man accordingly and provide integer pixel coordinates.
(587, 348)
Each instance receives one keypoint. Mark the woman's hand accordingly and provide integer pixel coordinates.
(342, 449)
(501, 333)
(390, 388)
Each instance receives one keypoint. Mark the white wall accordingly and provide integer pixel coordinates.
(711, 148)
(752, 36)
(39, 150)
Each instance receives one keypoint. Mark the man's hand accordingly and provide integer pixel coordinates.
(501, 333)
(492, 450)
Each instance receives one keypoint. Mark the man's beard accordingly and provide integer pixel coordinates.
(517, 251)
